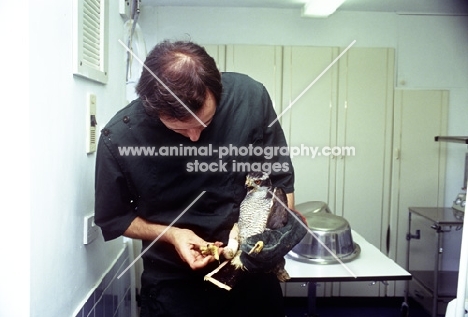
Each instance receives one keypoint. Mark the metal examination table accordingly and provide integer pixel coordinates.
(370, 265)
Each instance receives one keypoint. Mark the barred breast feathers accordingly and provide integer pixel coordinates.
(254, 211)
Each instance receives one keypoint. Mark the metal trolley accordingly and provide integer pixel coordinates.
(429, 230)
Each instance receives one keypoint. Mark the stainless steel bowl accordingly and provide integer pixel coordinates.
(329, 240)
(312, 207)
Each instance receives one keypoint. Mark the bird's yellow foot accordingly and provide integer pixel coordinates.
(210, 249)
(257, 247)
(236, 261)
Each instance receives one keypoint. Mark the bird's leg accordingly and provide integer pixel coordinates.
(257, 247)
(236, 261)
(233, 244)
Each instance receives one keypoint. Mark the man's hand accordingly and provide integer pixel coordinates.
(185, 241)
(187, 245)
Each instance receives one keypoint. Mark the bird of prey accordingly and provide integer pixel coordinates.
(263, 208)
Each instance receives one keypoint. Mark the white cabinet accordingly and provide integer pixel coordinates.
(261, 62)
(311, 119)
(365, 117)
(218, 52)
(350, 106)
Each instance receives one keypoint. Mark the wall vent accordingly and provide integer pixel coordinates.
(90, 39)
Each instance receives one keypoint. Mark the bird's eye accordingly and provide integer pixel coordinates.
(257, 182)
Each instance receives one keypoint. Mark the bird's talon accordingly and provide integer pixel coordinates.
(257, 247)
(236, 262)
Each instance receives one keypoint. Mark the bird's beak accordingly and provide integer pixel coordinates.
(248, 185)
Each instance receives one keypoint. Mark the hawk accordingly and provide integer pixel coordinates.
(263, 208)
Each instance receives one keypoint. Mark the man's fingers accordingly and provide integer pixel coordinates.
(200, 262)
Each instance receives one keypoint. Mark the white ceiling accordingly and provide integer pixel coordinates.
(401, 6)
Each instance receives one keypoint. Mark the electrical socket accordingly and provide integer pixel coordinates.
(125, 9)
(91, 231)
(91, 123)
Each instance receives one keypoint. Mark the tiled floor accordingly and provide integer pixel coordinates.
(351, 307)
(112, 296)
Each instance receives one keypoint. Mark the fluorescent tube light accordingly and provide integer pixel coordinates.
(320, 8)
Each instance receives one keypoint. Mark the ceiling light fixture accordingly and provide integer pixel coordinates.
(320, 8)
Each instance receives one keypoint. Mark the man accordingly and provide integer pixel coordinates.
(186, 113)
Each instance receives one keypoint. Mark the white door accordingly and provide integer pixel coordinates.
(418, 178)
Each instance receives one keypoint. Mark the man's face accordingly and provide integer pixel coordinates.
(192, 129)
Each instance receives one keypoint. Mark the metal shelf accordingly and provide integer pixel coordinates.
(447, 285)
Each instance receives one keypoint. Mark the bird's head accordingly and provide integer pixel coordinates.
(257, 180)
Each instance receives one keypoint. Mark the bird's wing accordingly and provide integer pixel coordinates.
(278, 216)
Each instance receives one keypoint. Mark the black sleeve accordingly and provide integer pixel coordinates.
(114, 202)
(274, 137)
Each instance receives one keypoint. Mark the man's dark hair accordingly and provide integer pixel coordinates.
(187, 70)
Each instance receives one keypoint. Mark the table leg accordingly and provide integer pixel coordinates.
(312, 299)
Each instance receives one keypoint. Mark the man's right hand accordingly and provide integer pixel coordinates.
(187, 245)
(185, 241)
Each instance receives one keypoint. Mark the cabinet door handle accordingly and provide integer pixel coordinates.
(387, 242)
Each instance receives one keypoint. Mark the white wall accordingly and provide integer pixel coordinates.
(63, 270)
(15, 193)
(430, 50)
